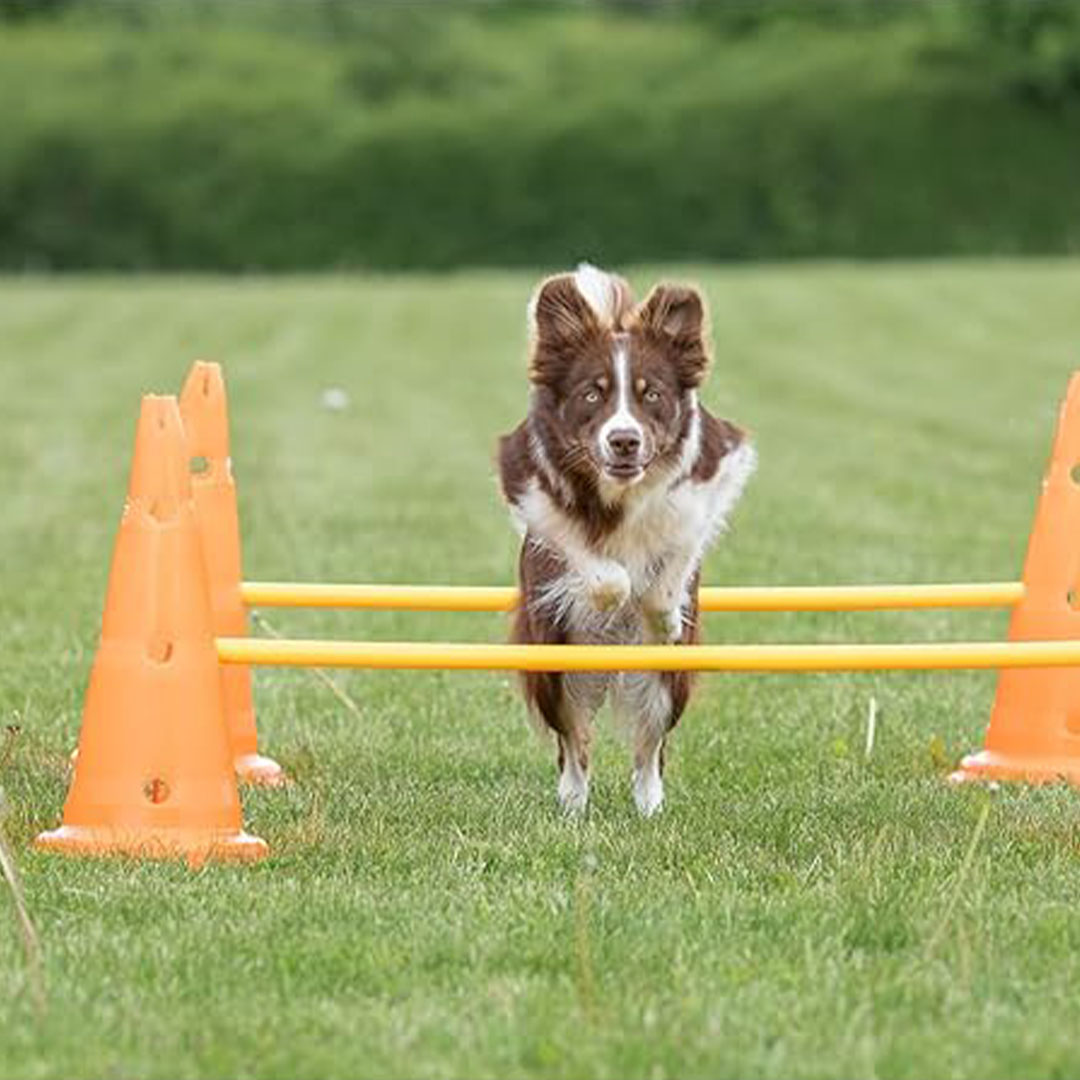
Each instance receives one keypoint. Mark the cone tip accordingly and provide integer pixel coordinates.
(205, 379)
(204, 410)
(159, 419)
(159, 468)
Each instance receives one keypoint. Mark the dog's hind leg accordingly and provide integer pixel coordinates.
(653, 703)
(573, 787)
(644, 700)
(566, 704)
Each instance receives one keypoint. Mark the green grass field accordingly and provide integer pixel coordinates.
(798, 910)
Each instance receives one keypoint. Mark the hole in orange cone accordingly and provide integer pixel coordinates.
(1072, 598)
(163, 510)
(199, 465)
(160, 651)
(1074, 473)
(156, 790)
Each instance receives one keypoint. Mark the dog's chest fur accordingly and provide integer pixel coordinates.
(680, 510)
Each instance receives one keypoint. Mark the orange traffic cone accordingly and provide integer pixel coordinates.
(1034, 731)
(154, 773)
(204, 411)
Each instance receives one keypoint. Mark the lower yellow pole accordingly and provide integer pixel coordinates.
(465, 656)
(739, 598)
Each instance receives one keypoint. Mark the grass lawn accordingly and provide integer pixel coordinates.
(798, 910)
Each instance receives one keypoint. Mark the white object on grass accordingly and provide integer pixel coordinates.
(335, 399)
(871, 726)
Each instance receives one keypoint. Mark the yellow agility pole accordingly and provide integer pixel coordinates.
(379, 597)
(485, 657)
(739, 598)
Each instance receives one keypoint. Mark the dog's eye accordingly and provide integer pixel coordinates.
(651, 395)
(592, 395)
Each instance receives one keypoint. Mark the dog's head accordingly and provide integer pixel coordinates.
(613, 381)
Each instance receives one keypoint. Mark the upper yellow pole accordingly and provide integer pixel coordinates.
(740, 598)
(376, 597)
(477, 657)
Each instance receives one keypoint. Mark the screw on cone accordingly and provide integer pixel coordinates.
(154, 773)
(204, 410)
(1034, 730)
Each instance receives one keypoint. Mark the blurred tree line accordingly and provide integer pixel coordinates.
(279, 134)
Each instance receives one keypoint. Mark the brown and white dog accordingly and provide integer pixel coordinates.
(618, 480)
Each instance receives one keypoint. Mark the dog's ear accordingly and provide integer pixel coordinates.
(560, 323)
(674, 316)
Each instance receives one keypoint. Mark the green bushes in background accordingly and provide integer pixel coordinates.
(237, 136)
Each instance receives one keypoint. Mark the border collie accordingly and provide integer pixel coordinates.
(618, 480)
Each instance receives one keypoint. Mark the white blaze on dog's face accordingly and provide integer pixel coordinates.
(623, 442)
(614, 384)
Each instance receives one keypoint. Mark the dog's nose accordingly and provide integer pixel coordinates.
(624, 442)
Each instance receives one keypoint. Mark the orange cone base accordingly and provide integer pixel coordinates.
(259, 771)
(196, 846)
(991, 765)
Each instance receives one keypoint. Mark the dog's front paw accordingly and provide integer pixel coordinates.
(608, 585)
(666, 624)
(663, 610)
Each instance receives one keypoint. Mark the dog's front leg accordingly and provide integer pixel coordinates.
(607, 582)
(668, 595)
